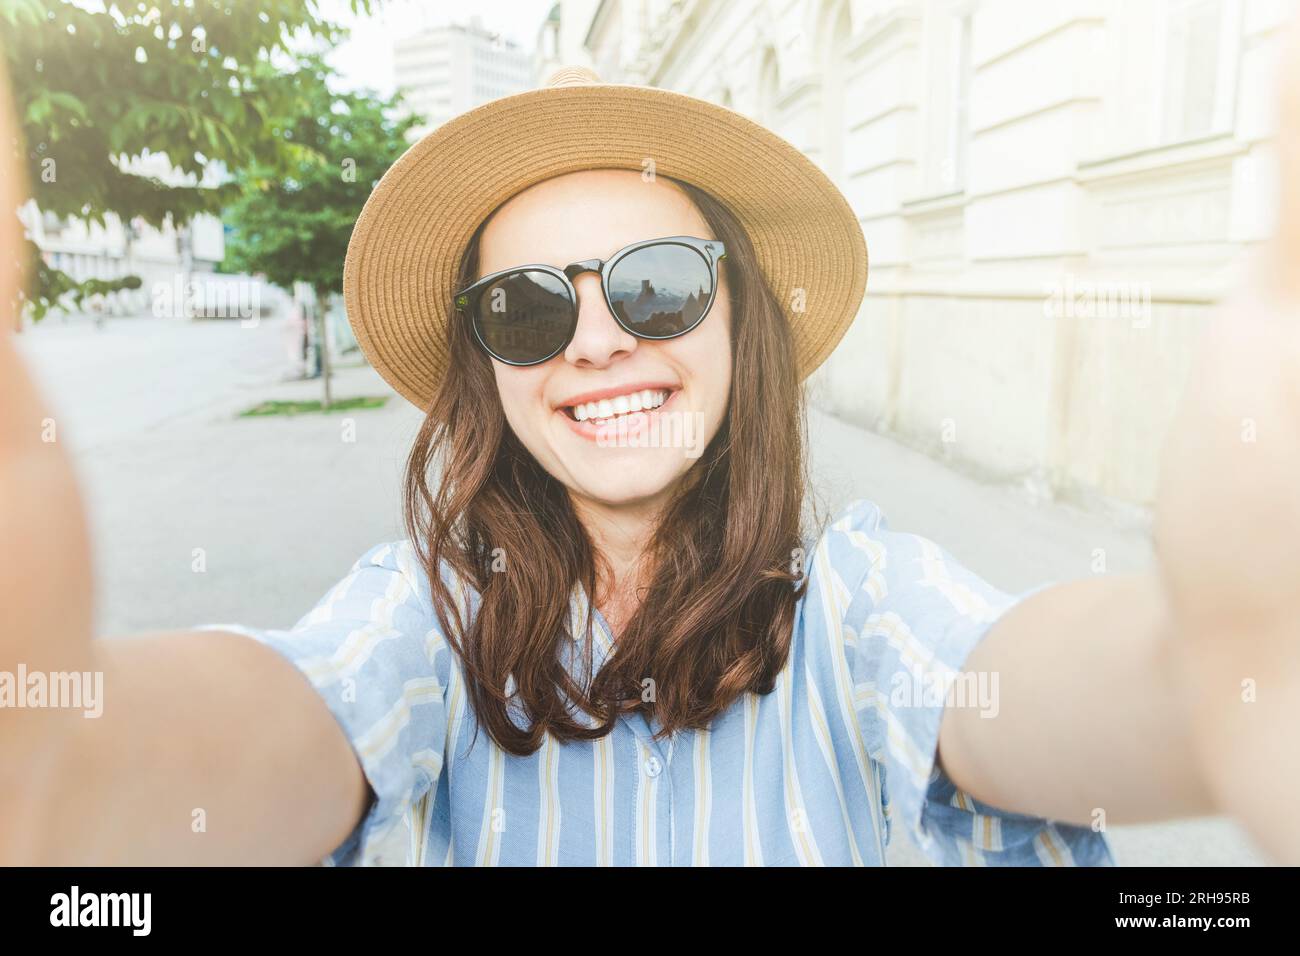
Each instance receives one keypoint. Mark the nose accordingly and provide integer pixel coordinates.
(599, 340)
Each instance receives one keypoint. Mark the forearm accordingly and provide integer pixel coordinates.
(210, 750)
(1089, 720)
(45, 589)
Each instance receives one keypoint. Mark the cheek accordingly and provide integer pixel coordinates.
(520, 392)
(708, 362)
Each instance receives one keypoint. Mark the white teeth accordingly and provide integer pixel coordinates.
(643, 400)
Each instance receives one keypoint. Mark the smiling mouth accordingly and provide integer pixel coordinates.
(608, 410)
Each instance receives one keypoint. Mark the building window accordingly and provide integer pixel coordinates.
(1201, 39)
(834, 29)
(769, 85)
(948, 121)
(959, 124)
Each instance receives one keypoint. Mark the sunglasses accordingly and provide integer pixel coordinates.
(655, 289)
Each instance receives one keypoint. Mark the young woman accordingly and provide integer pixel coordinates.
(608, 639)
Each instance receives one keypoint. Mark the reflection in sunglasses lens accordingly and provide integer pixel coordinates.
(660, 290)
(525, 316)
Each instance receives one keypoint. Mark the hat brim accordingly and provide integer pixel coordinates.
(407, 243)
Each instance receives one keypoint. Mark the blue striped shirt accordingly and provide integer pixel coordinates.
(819, 771)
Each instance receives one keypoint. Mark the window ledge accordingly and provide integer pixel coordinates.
(1215, 146)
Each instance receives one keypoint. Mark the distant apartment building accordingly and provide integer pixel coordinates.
(444, 71)
(1055, 194)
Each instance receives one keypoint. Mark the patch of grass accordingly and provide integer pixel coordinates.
(307, 408)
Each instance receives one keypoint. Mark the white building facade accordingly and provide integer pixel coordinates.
(444, 71)
(161, 257)
(1055, 193)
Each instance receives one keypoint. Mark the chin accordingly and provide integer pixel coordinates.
(627, 482)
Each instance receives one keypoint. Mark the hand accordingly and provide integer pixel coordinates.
(1228, 526)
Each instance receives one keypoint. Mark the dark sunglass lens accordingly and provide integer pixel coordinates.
(660, 290)
(524, 317)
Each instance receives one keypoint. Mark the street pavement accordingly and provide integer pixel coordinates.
(199, 516)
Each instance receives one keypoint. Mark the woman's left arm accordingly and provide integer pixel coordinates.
(1178, 693)
(1116, 704)
(1089, 724)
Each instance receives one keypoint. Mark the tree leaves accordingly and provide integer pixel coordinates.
(295, 226)
(96, 89)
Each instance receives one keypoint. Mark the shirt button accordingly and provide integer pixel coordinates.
(653, 767)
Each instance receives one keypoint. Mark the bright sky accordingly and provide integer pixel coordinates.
(366, 59)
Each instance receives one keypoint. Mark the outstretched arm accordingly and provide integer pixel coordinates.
(212, 749)
(1089, 726)
(204, 721)
(1179, 693)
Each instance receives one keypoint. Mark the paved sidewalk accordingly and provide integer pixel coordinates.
(279, 508)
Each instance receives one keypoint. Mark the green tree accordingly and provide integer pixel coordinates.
(295, 227)
(94, 89)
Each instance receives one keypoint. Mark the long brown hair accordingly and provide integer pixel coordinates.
(716, 618)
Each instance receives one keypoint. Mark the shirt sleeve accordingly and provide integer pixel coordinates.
(372, 650)
(913, 616)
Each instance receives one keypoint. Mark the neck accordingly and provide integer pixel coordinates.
(620, 535)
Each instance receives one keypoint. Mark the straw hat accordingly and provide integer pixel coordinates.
(409, 238)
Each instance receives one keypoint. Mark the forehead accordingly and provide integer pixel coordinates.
(585, 215)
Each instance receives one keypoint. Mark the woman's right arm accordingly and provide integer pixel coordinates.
(210, 748)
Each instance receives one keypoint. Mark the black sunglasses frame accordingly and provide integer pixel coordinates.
(466, 301)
